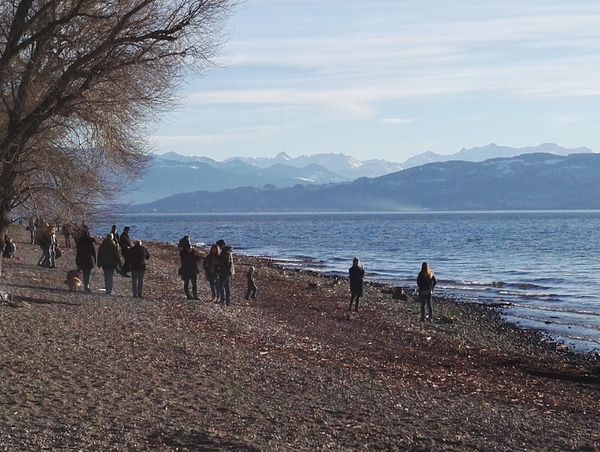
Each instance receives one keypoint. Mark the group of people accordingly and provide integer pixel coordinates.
(425, 282)
(116, 254)
(119, 254)
(218, 267)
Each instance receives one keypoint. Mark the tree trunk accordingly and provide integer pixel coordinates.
(4, 222)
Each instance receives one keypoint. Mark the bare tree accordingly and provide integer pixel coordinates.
(79, 80)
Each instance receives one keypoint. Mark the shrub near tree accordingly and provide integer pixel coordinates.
(79, 79)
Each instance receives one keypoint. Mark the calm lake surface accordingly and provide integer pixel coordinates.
(546, 264)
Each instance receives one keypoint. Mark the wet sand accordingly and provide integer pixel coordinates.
(290, 371)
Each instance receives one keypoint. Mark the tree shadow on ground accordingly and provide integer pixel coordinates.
(563, 376)
(44, 301)
(38, 288)
(194, 440)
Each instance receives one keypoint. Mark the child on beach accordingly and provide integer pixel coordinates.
(426, 282)
(356, 273)
(251, 292)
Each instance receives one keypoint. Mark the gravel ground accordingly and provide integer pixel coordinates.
(290, 371)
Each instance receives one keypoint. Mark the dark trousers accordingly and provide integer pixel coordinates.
(213, 288)
(137, 283)
(426, 302)
(223, 288)
(87, 276)
(186, 285)
(251, 292)
(109, 273)
(354, 297)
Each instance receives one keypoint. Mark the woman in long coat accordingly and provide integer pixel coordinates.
(85, 257)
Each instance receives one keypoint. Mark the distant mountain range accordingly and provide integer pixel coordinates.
(491, 151)
(530, 181)
(171, 173)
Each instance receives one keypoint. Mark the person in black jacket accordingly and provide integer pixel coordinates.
(125, 245)
(426, 282)
(225, 271)
(356, 273)
(211, 267)
(189, 270)
(138, 255)
(85, 257)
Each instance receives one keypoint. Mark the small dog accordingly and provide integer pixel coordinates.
(73, 280)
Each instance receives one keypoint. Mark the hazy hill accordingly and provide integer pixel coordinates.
(490, 151)
(169, 174)
(531, 181)
(179, 174)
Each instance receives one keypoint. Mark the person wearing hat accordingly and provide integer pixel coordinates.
(356, 273)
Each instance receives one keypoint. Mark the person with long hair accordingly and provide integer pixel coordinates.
(426, 282)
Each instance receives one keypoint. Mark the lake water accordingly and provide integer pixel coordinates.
(546, 264)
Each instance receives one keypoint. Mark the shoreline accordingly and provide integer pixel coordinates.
(538, 334)
(292, 370)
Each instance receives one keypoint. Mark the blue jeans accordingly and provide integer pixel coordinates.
(137, 283)
(223, 288)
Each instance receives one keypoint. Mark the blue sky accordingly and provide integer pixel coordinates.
(390, 79)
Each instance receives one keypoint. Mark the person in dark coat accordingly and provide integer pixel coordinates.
(125, 245)
(189, 270)
(225, 270)
(138, 255)
(426, 282)
(110, 260)
(10, 249)
(184, 241)
(357, 274)
(85, 256)
(44, 242)
(210, 265)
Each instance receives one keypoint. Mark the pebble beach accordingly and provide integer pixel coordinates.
(293, 370)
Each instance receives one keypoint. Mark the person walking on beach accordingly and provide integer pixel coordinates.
(126, 245)
(210, 265)
(189, 270)
(85, 256)
(10, 248)
(226, 270)
(251, 284)
(67, 232)
(43, 241)
(110, 260)
(138, 255)
(52, 248)
(356, 276)
(426, 282)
